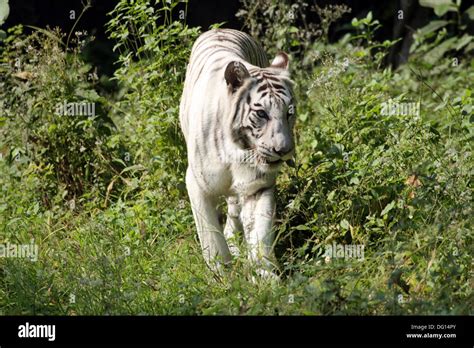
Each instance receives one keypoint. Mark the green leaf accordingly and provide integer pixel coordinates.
(90, 94)
(470, 13)
(387, 208)
(440, 7)
(331, 195)
(469, 48)
(217, 25)
(293, 30)
(431, 27)
(119, 160)
(441, 10)
(133, 168)
(369, 16)
(4, 11)
(302, 228)
(345, 224)
(303, 116)
(463, 41)
(354, 180)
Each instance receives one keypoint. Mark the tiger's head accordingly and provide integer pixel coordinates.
(263, 109)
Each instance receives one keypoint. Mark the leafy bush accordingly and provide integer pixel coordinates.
(378, 180)
(55, 125)
(433, 41)
(152, 61)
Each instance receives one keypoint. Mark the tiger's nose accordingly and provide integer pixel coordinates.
(282, 148)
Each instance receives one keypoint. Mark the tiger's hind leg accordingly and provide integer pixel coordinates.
(206, 217)
(233, 225)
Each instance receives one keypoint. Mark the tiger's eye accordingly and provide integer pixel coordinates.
(262, 114)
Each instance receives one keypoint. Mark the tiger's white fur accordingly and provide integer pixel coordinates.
(235, 150)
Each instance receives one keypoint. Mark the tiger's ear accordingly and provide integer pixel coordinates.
(235, 75)
(280, 61)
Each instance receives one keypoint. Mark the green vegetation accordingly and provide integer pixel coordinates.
(103, 195)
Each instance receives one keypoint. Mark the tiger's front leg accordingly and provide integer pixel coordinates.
(233, 225)
(257, 217)
(204, 207)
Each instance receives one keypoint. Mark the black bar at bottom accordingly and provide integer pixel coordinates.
(430, 331)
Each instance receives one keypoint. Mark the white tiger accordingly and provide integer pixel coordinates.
(237, 116)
